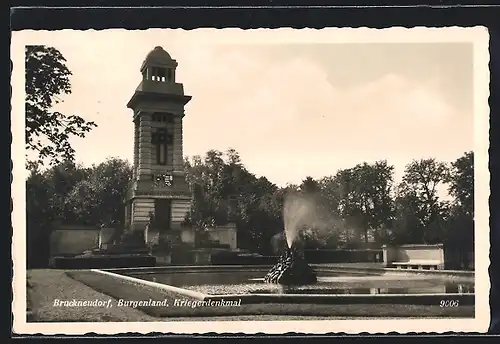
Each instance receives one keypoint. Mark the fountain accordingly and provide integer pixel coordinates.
(292, 268)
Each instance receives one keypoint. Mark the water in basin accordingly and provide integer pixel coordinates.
(333, 283)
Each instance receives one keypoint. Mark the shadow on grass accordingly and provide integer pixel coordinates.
(128, 291)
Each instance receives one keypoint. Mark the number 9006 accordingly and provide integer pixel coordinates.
(448, 303)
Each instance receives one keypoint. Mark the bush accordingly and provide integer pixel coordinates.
(105, 262)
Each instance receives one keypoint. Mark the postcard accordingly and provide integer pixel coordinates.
(250, 181)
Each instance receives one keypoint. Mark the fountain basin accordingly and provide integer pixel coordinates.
(333, 286)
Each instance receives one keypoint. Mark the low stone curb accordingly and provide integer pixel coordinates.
(181, 291)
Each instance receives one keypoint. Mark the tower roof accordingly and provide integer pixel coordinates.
(158, 57)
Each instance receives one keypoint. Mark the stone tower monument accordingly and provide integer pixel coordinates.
(159, 186)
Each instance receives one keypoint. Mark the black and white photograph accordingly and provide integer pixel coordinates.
(249, 181)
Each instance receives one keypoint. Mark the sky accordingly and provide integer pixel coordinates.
(292, 109)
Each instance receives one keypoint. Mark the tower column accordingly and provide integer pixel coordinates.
(136, 145)
(178, 160)
(145, 151)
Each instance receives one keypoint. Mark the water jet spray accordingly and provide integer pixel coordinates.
(292, 268)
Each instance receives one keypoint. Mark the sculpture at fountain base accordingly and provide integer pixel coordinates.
(291, 269)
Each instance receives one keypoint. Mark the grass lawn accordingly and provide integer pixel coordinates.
(119, 289)
(47, 285)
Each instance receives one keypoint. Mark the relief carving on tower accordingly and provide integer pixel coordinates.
(163, 180)
(162, 142)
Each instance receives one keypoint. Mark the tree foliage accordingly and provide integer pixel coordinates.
(225, 191)
(99, 198)
(419, 204)
(461, 220)
(461, 182)
(72, 194)
(48, 132)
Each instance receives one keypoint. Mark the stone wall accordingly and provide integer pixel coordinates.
(73, 239)
(407, 253)
(105, 237)
(188, 236)
(389, 254)
(225, 235)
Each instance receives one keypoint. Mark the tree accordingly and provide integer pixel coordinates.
(420, 189)
(314, 211)
(99, 199)
(373, 196)
(460, 231)
(38, 215)
(407, 226)
(364, 196)
(225, 191)
(310, 186)
(46, 203)
(68, 193)
(263, 214)
(47, 131)
(340, 195)
(330, 194)
(48, 189)
(205, 177)
(461, 182)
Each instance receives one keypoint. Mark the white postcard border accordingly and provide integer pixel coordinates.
(476, 35)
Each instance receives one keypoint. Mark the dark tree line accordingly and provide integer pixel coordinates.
(354, 208)
(71, 194)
